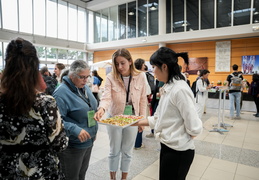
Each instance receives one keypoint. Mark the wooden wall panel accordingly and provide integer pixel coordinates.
(239, 47)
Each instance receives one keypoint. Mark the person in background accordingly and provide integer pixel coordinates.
(124, 93)
(140, 65)
(57, 70)
(207, 95)
(187, 80)
(96, 84)
(254, 91)
(234, 95)
(175, 121)
(50, 81)
(77, 106)
(154, 103)
(31, 129)
(63, 74)
(95, 73)
(180, 67)
(202, 91)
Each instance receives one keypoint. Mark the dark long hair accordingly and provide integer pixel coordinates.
(167, 56)
(20, 77)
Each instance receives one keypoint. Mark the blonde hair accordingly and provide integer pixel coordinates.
(126, 54)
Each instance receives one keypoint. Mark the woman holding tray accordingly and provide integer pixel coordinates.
(125, 93)
(175, 121)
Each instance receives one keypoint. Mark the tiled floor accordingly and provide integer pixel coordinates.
(232, 155)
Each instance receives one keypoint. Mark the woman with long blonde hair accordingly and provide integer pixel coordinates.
(124, 92)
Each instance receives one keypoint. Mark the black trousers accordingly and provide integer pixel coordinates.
(174, 165)
(256, 101)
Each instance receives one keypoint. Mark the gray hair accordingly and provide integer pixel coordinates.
(77, 66)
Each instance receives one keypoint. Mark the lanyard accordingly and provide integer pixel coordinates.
(127, 98)
(79, 94)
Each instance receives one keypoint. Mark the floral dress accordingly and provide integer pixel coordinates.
(29, 144)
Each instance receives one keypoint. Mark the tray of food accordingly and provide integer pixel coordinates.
(121, 120)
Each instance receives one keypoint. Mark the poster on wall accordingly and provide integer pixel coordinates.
(223, 50)
(250, 64)
(196, 64)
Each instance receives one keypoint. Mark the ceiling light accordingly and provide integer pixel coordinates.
(255, 28)
(255, 13)
(256, 21)
(131, 13)
(153, 7)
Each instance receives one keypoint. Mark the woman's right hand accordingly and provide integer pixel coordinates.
(99, 114)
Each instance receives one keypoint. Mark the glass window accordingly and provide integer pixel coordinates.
(113, 29)
(72, 21)
(62, 19)
(223, 13)
(1, 57)
(39, 17)
(41, 53)
(104, 21)
(168, 16)
(51, 54)
(242, 9)
(5, 44)
(207, 14)
(122, 21)
(153, 17)
(71, 55)
(81, 55)
(192, 7)
(10, 16)
(142, 18)
(97, 27)
(90, 58)
(62, 56)
(25, 16)
(256, 11)
(178, 16)
(81, 25)
(52, 18)
(91, 33)
(132, 20)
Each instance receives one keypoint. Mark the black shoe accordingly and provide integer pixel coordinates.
(254, 114)
(257, 115)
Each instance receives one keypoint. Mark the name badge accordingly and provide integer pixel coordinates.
(91, 121)
(128, 110)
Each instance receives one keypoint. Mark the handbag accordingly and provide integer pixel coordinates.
(95, 88)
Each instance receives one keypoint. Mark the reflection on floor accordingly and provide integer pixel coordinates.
(232, 155)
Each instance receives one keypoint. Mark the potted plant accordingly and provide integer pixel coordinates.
(219, 83)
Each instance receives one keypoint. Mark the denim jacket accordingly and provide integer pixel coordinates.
(114, 96)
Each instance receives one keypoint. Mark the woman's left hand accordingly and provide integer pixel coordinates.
(140, 128)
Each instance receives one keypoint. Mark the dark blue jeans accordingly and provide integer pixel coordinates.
(138, 141)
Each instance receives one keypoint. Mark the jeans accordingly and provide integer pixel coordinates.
(74, 162)
(138, 142)
(122, 141)
(234, 97)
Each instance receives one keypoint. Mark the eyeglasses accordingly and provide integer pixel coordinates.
(82, 77)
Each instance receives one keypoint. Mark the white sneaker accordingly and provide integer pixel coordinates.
(150, 135)
(137, 148)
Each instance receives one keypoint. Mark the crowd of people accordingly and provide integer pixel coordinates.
(49, 132)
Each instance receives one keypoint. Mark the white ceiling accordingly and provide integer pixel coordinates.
(96, 5)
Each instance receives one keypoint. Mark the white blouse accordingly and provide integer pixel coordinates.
(176, 119)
